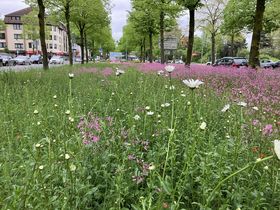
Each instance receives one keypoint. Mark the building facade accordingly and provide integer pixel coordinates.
(19, 40)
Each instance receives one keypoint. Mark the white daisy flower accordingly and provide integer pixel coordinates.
(226, 107)
(150, 113)
(193, 83)
(242, 103)
(169, 68)
(277, 148)
(137, 117)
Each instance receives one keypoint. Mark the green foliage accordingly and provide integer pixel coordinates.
(46, 163)
(2, 25)
(239, 15)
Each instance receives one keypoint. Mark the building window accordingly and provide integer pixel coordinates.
(2, 35)
(50, 37)
(30, 45)
(54, 28)
(55, 46)
(2, 45)
(18, 46)
(17, 36)
(54, 37)
(17, 26)
(17, 18)
(50, 45)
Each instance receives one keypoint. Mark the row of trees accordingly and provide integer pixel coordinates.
(88, 20)
(231, 18)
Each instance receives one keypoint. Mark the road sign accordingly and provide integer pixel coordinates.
(170, 43)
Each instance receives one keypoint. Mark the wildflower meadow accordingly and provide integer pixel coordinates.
(140, 136)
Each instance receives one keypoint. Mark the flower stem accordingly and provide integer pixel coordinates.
(233, 174)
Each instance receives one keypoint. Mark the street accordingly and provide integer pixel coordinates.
(29, 67)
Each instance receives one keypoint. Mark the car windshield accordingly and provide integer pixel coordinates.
(22, 57)
(240, 60)
(35, 56)
(56, 57)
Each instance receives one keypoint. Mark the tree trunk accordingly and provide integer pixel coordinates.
(41, 17)
(161, 29)
(93, 45)
(255, 44)
(86, 47)
(151, 47)
(144, 43)
(67, 18)
(232, 45)
(141, 51)
(213, 48)
(81, 29)
(191, 36)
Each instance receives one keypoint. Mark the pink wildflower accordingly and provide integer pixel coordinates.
(267, 130)
(255, 122)
(95, 138)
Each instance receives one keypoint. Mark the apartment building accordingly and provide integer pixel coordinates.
(2, 38)
(18, 41)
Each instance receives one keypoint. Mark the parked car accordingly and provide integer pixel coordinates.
(179, 61)
(266, 64)
(22, 60)
(231, 61)
(276, 64)
(7, 60)
(57, 60)
(239, 62)
(36, 59)
(78, 59)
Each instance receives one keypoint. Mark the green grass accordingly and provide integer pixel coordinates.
(176, 163)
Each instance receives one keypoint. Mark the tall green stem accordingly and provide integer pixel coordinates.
(233, 174)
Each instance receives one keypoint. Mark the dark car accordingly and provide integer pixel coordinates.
(232, 61)
(36, 59)
(276, 64)
(1, 61)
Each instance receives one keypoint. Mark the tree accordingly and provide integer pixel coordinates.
(31, 27)
(86, 14)
(191, 5)
(41, 5)
(41, 16)
(145, 21)
(258, 25)
(167, 11)
(213, 13)
(240, 15)
(64, 7)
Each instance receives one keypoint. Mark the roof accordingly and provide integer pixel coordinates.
(18, 13)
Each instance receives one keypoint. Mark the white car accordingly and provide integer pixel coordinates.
(22, 60)
(178, 61)
(266, 64)
(57, 60)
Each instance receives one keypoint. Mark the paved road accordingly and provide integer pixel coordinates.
(28, 67)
